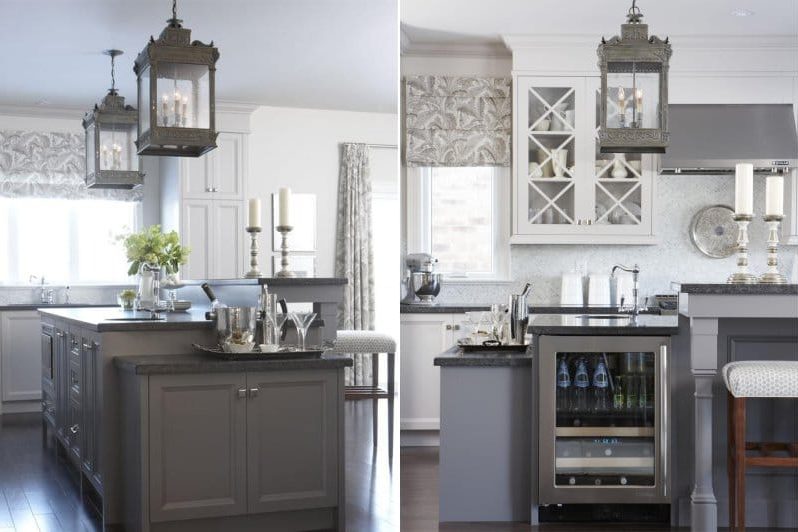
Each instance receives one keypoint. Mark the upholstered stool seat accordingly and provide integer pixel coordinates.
(747, 380)
(373, 343)
(773, 378)
(363, 342)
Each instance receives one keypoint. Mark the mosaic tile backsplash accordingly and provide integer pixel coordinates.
(673, 259)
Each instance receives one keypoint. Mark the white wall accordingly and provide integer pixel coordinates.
(300, 148)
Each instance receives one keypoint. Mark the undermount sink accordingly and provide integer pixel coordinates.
(604, 316)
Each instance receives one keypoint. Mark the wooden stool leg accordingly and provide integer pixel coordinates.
(739, 462)
(391, 395)
(730, 471)
(375, 406)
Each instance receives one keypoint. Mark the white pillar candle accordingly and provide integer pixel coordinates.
(639, 100)
(744, 189)
(774, 195)
(254, 212)
(165, 110)
(285, 206)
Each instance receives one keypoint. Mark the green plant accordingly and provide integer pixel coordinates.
(154, 247)
(127, 295)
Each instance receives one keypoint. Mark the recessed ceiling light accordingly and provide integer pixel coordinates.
(742, 12)
(43, 101)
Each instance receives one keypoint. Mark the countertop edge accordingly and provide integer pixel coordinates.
(455, 357)
(138, 364)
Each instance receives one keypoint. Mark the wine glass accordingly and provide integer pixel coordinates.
(302, 320)
(475, 320)
(278, 320)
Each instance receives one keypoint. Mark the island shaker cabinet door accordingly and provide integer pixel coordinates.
(292, 440)
(197, 446)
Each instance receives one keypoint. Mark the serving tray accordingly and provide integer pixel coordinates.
(284, 353)
(468, 347)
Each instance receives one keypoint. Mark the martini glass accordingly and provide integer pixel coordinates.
(302, 320)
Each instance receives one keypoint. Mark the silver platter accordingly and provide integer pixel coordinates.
(714, 231)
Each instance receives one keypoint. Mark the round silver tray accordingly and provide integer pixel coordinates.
(714, 231)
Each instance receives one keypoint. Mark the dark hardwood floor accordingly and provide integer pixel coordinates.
(419, 503)
(37, 493)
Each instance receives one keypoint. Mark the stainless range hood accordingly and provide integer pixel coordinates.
(712, 138)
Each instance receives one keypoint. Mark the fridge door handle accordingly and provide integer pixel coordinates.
(663, 420)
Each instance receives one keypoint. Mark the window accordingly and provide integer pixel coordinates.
(460, 215)
(64, 240)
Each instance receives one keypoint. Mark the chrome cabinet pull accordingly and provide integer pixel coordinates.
(74, 429)
(242, 393)
(448, 327)
(253, 392)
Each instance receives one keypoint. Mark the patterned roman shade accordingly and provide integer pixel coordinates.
(458, 121)
(49, 165)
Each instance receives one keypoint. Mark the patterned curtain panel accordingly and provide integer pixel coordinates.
(353, 251)
(49, 165)
(458, 121)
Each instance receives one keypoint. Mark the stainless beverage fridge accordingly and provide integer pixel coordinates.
(604, 420)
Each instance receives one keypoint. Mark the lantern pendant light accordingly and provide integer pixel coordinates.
(111, 159)
(176, 93)
(634, 89)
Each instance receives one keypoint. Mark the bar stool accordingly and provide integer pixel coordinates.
(765, 378)
(371, 343)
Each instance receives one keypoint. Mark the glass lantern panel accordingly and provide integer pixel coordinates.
(117, 148)
(633, 95)
(90, 150)
(144, 100)
(183, 95)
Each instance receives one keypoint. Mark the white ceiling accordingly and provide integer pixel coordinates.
(295, 53)
(483, 22)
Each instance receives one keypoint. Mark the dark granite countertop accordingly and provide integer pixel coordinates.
(45, 306)
(548, 308)
(271, 281)
(408, 308)
(201, 363)
(564, 324)
(103, 319)
(739, 289)
(455, 357)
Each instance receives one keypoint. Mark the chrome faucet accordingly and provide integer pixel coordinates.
(47, 294)
(635, 271)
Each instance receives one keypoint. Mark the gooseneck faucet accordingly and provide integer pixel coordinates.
(635, 271)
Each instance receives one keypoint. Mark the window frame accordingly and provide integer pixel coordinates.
(419, 220)
(18, 278)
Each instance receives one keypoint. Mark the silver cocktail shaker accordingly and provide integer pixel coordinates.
(519, 316)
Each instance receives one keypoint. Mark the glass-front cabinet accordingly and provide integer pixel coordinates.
(566, 191)
(603, 419)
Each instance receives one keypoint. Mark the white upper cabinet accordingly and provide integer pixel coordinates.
(566, 192)
(219, 174)
(202, 198)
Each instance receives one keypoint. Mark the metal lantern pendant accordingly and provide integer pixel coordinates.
(176, 93)
(634, 89)
(111, 159)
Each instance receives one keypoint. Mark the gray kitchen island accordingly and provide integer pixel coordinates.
(243, 445)
(722, 323)
(492, 407)
(83, 409)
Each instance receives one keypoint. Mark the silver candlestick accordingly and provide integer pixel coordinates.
(772, 276)
(284, 271)
(742, 276)
(254, 271)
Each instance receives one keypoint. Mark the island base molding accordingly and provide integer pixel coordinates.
(316, 519)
